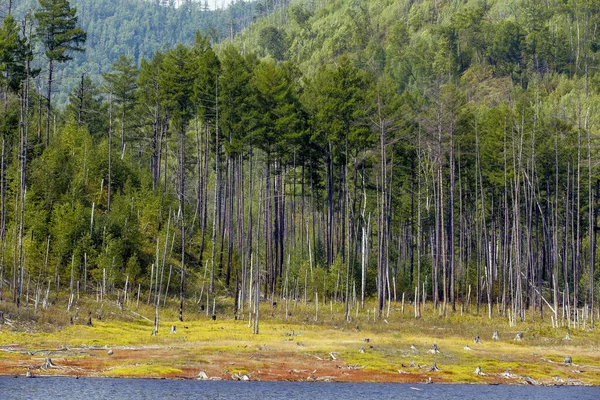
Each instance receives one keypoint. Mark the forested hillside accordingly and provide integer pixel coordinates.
(137, 28)
(335, 150)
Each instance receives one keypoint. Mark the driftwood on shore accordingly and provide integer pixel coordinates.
(508, 374)
(48, 364)
(202, 376)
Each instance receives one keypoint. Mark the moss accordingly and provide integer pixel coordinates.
(149, 371)
(237, 370)
(204, 344)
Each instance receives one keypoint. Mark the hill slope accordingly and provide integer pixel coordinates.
(138, 28)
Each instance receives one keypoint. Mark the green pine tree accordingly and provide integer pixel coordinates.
(59, 34)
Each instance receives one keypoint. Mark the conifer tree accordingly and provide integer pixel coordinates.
(13, 55)
(59, 34)
(123, 82)
(87, 107)
(179, 72)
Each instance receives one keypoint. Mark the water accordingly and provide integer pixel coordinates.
(134, 389)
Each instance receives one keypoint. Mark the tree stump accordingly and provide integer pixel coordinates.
(1, 317)
(568, 337)
(412, 347)
(519, 336)
(467, 348)
(434, 349)
(173, 329)
(507, 374)
(214, 317)
(568, 360)
(477, 340)
(361, 350)
(478, 371)
(495, 336)
(434, 368)
(48, 364)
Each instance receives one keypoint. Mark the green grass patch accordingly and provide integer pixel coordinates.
(150, 371)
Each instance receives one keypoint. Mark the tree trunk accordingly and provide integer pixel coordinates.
(48, 100)
(110, 137)
(182, 215)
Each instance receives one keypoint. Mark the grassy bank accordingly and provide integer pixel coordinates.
(392, 349)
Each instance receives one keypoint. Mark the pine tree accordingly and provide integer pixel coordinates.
(13, 55)
(123, 82)
(179, 71)
(87, 107)
(59, 34)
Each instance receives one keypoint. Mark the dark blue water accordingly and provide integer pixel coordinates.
(133, 389)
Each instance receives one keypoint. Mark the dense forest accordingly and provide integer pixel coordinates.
(333, 150)
(136, 28)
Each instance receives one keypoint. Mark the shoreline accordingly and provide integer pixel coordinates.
(398, 349)
(127, 362)
(181, 378)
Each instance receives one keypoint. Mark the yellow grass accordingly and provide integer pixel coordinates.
(229, 347)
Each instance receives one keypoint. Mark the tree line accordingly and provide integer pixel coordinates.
(467, 179)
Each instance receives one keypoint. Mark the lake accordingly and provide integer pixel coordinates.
(133, 389)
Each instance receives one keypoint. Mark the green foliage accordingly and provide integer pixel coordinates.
(506, 50)
(87, 107)
(14, 53)
(273, 42)
(276, 111)
(235, 91)
(123, 81)
(58, 31)
(178, 73)
(337, 100)
(301, 14)
(425, 118)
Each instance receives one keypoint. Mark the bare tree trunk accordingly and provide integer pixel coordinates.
(24, 138)
(591, 221)
(110, 137)
(155, 159)
(3, 216)
(182, 215)
(48, 99)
